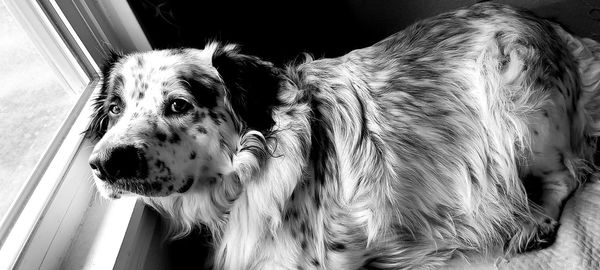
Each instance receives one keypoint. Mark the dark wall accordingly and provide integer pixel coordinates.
(281, 30)
(275, 30)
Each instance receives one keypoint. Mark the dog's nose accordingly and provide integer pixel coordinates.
(121, 162)
(96, 165)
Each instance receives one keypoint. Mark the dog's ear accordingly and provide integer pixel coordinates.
(252, 85)
(99, 122)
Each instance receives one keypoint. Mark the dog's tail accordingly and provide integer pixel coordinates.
(587, 53)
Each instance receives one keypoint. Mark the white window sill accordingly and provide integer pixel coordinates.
(116, 235)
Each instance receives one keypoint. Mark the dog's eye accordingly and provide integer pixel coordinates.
(180, 106)
(114, 108)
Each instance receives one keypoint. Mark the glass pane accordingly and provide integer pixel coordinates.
(33, 104)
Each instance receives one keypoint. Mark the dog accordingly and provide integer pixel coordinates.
(462, 133)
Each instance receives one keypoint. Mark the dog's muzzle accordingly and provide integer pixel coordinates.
(120, 162)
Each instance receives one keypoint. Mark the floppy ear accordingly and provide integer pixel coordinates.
(252, 86)
(99, 123)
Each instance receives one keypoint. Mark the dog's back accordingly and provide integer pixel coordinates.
(420, 142)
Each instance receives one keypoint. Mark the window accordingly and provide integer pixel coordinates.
(34, 103)
(49, 57)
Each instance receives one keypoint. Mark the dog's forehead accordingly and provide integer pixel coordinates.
(164, 60)
(157, 72)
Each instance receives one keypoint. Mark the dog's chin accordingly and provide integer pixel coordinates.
(109, 192)
(138, 188)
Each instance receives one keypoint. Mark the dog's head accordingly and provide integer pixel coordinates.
(168, 123)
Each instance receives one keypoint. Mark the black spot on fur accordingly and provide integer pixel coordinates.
(156, 186)
(253, 85)
(187, 185)
(306, 231)
(161, 136)
(174, 138)
(140, 61)
(291, 214)
(222, 116)
(304, 244)
(153, 123)
(143, 87)
(336, 246)
(223, 144)
(193, 155)
(160, 165)
(290, 112)
(212, 180)
(199, 117)
(119, 81)
(472, 175)
(201, 86)
(535, 132)
(315, 262)
(547, 172)
(364, 131)
(317, 201)
(166, 178)
(323, 153)
(501, 189)
(214, 117)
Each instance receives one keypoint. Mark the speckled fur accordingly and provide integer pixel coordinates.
(397, 156)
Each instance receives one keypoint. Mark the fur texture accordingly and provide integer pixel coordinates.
(396, 156)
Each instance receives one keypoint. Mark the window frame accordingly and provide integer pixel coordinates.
(42, 228)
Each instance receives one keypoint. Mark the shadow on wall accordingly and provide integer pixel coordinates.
(190, 252)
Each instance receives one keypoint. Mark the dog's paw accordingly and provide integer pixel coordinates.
(533, 236)
(542, 235)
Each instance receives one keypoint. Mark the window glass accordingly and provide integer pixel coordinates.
(33, 104)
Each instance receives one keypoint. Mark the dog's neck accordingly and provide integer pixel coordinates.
(257, 214)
